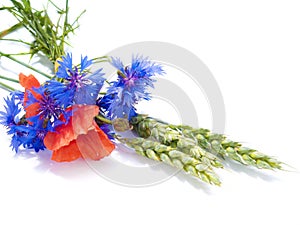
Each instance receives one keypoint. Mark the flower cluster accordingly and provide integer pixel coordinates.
(131, 87)
(67, 115)
(74, 115)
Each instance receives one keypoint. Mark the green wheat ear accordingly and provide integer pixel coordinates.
(199, 142)
(163, 133)
(169, 155)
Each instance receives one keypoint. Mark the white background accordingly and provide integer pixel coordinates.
(253, 50)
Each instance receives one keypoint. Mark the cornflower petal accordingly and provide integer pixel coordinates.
(131, 86)
(79, 86)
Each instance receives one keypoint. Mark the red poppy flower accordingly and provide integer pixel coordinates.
(30, 82)
(80, 137)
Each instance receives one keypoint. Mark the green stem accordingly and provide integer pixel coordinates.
(104, 120)
(52, 3)
(10, 30)
(24, 64)
(64, 27)
(101, 61)
(121, 74)
(77, 19)
(101, 57)
(18, 54)
(15, 40)
(6, 87)
(9, 79)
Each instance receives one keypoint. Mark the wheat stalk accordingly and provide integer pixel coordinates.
(173, 157)
(201, 143)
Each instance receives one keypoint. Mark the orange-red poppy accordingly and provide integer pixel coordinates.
(30, 82)
(80, 137)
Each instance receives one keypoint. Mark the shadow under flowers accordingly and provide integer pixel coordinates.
(84, 169)
(75, 170)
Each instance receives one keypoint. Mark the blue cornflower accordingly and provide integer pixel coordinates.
(49, 113)
(34, 138)
(30, 136)
(131, 86)
(108, 130)
(10, 118)
(79, 86)
(12, 112)
(104, 102)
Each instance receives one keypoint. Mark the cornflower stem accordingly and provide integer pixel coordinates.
(9, 79)
(6, 87)
(24, 64)
(101, 59)
(121, 74)
(104, 119)
(94, 60)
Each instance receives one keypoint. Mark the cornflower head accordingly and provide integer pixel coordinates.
(10, 118)
(130, 87)
(47, 112)
(75, 84)
(23, 134)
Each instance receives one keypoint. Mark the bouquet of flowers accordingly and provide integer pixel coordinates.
(77, 113)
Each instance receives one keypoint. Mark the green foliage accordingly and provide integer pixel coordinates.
(49, 37)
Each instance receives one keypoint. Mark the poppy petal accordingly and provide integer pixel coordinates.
(108, 145)
(28, 82)
(80, 123)
(66, 153)
(81, 135)
(83, 117)
(95, 144)
(61, 137)
(32, 110)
